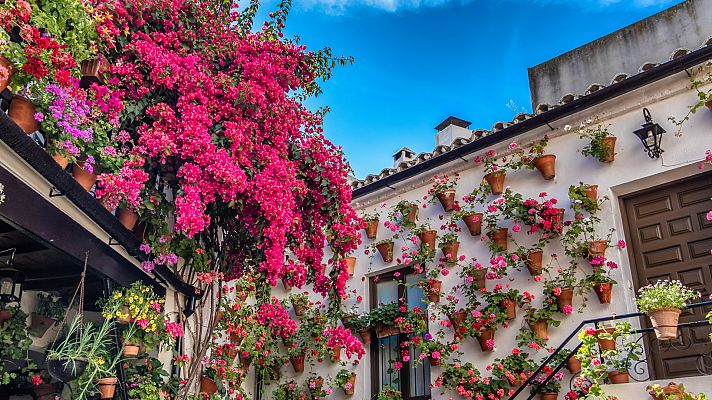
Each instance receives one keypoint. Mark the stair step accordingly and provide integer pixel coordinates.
(636, 390)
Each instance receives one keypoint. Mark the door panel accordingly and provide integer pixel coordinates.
(670, 238)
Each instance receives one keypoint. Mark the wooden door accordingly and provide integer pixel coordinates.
(670, 238)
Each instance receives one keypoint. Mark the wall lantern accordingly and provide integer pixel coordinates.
(11, 280)
(651, 134)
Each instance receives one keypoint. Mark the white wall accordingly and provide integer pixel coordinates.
(631, 171)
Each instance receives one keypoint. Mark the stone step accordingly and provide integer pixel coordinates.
(638, 391)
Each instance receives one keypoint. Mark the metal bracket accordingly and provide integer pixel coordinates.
(54, 192)
(461, 158)
(391, 187)
(113, 242)
(550, 127)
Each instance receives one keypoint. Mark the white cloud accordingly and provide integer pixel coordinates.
(339, 6)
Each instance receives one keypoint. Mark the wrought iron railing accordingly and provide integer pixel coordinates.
(640, 373)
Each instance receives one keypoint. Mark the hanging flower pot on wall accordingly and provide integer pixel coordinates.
(565, 298)
(371, 228)
(297, 363)
(606, 344)
(447, 200)
(365, 335)
(604, 291)
(386, 251)
(486, 340)
(609, 146)
(208, 386)
(427, 238)
(534, 262)
(597, 248)
(474, 223)
(127, 217)
(499, 238)
(82, 175)
(510, 308)
(479, 278)
(433, 287)
(457, 318)
(592, 192)
(23, 111)
(573, 365)
(495, 180)
(410, 214)
(350, 384)
(450, 251)
(540, 327)
(351, 265)
(10, 67)
(546, 165)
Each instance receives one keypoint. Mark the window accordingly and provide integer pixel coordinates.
(412, 380)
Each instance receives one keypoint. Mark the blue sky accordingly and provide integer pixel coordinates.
(418, 61)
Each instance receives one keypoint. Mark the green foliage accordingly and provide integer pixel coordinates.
(385, 314)
(14, 342)
(49, 306)
(596, 147)
(342, 378)
(389, 393)
(70, 23)
(680, 395)
(664, 294)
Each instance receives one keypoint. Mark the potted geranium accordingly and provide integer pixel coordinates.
(472, 219)
(345, 380)
(548, 390)
(49, 311)
(300, 303)
(361, 324)
(602, 144)
(584, 197)
(371, 220)
(545, 163)
(426, 234)
(315, 386)
(562, 287)
(663, 302)
(449, 245)
(14, 341)
(483, 324)
(404, 213)
(443, 189)
(385, 249)
(673, 391)
(600, 280)
(475, 275)
(539, 319)
(286, 391)
(433, 347)
(507, 299)
(515, 368)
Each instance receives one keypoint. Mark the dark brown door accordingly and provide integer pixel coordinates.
(670, 238)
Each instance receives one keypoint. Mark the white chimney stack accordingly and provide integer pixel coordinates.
(403, 155)
(452, 128)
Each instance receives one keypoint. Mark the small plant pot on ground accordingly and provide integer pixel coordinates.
(618, 377)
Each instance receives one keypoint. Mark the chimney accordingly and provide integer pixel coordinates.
(450, 129)
(403, 155)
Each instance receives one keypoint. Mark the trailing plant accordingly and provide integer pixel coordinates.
(49, 306)
(580, 201)
(514, 368)
(342, 378)
(466, 381)
(14, 343)
(596, 147)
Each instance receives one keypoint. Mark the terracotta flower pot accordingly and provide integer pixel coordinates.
(566, 298)
(286, 284)
(604, 291)
(10, 72)
(47, 391)
(592, 192)
(231, 352)
(107, 387)
(606, 344)
(244, 361)
(410, 214)
(500, 238)
(618, 377)
(131, 351)
(434, 290)
(336, 354)
(709, 105)
(474, 223)
(61, 160)
(573, 365)
(540, 328)
(609, 143)
(352, 382)
(351, 265)
(510, 307)
(127, 217)
(22, 111)
(597, 248)
(365, 335)
(386, 250)
(297, 363)
(85, 178)
(434, 362)
(495, 181)
(39, 324)
(447, 200)
(548, 396)
(383, 331)
(5, 316)
(236, 338)
(93, 70)
(300, 310)
(450, 251)
(479, 278)
(427, 238)
(371, 228)
(546, 166)
(207, 385)
(534, 262)
(665, 322)
(484, 340)
(457, 318)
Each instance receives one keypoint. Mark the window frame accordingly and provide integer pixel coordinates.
(404, 373)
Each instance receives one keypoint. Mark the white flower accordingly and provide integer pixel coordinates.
(567, 128)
